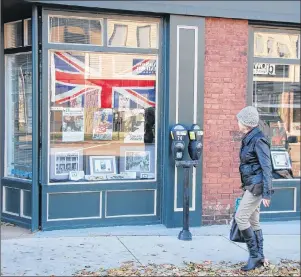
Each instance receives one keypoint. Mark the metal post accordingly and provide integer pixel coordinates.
(35, 122)
(185, 233)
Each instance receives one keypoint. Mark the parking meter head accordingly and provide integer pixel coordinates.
(195, 146)
(178, 135)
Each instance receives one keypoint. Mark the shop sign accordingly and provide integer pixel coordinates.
(264, 69)
(144, 67)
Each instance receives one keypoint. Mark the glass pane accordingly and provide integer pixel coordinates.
(27, 32)
(13, 34)
(132, 34)
(276, 94)
(75, 30)
(103, 116)
(18, 114)
(277, 45)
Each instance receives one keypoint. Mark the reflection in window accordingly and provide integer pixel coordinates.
(27, 32)
(277, 45)
(75, 30)
(18, 114)
(119, 36)
(13, 34)
(144, 36)
(102, 121)
(276, 94)
(133, 34)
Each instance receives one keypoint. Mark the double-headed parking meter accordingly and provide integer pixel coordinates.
(178, 135)
(195, 142)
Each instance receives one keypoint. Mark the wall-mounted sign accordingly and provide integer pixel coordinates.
(264, 69)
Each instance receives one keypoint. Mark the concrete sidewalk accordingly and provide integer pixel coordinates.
(67, 251)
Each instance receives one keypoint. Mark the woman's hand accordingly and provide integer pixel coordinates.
(266, 202)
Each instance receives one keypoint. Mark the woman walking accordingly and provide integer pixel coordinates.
(256, 176)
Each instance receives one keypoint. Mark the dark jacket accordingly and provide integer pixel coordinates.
(255, 164)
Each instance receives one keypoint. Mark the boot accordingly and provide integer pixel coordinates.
(254, 258)
(259, 239)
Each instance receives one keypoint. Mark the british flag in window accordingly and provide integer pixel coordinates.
(76, 77)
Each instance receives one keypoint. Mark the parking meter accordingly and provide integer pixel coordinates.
(178, 135)
(195, 142)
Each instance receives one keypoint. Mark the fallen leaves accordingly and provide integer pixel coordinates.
(206, 268)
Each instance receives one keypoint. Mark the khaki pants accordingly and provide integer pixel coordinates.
(247, 213)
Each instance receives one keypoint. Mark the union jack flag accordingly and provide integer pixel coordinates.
(72, 77)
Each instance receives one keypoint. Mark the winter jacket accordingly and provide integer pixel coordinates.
(255, 164)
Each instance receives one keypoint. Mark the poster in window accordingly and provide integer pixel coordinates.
(133, 125)
(103, 124)
(146, 67)
(73, 124)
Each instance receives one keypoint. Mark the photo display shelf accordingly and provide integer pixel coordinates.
(122, 139)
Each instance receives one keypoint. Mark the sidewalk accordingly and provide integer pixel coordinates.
(65, 252)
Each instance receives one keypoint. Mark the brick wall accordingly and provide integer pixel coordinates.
(225, 94)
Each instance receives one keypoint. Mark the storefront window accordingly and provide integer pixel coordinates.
(132, 34)
(102, 116)
(276, 94)
(18, 115)
(13, 34)
(277, 45)
(76, 30)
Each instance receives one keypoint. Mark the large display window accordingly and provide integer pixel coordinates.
(18, 114)
(103, 106)
(276, 94)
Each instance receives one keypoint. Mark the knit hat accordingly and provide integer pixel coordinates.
(248, 116)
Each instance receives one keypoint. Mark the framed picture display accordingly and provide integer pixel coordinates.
(281, 160)
(100, 165)
(63, 161)
(139, 159)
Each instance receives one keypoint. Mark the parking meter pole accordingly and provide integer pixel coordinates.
(185, 233)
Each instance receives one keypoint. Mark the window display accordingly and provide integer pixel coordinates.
(276, 94)
(102, 116)
(18, 115)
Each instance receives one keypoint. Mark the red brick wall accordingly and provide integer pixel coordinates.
(225, 94)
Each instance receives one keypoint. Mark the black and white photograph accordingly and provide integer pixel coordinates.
(66, 162)
(137, 161)
(63, 161)
(102, 165)
(73, 124)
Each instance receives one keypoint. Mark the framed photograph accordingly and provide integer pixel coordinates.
(63, 161)
(139, 159)
(102, 165)
(281, 160)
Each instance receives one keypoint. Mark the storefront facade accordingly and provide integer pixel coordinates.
(91, 90)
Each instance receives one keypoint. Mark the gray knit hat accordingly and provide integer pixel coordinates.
(248, 116)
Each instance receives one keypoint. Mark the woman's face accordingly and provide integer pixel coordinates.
(243, 128)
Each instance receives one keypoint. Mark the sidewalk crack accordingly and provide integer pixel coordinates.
(129, 250)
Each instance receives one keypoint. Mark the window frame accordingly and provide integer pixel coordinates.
(281, 61)
(47, 47)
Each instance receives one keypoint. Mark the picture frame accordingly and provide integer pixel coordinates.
(281, 160)
(63, 161)
(100, 165)
(139, 159)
